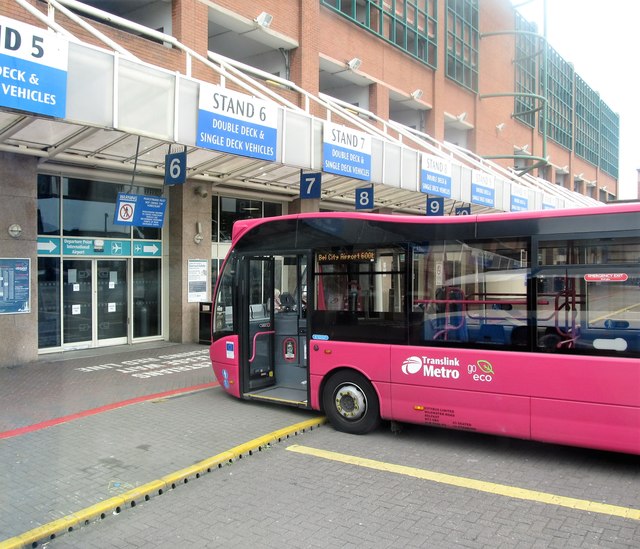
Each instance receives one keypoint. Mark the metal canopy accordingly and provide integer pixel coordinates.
(140, 118)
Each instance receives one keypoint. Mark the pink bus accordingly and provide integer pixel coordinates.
(524, 325)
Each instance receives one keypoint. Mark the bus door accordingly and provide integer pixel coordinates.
(257, 322)
(276, 340)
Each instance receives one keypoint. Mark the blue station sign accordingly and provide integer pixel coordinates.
(236, 123)
(519, 199)
(435, 175)
(33, 69)
(346, 152)
(483, 188)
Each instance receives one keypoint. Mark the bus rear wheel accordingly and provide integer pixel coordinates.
(351, 403)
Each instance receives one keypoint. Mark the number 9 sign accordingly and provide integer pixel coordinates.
(435, 206)
(364, 198)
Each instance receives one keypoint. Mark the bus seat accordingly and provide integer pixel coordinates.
(492, 333)
(287, 303)
(520, 336)
(258, 310)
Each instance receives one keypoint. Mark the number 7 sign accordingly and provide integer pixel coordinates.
(310, 185)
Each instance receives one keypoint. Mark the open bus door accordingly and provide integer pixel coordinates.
(273, 331)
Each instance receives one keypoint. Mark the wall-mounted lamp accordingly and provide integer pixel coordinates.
(201, 192)
(500, 127)
(198, 237)
(579, 177)
(417, 94)
(15, 230)
(264, 19)
(461, 117)
(524, 148)
(354, 64)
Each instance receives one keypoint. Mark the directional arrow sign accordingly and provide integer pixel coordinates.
(48, 246)
(147, 249)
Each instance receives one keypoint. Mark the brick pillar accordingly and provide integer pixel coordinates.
(434, 123)
(18, 204)
(190, 25)
(186, 209)
(379, 100)
(304, 60)
(304, 206)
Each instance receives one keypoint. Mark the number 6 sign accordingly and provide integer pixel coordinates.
(175, 168)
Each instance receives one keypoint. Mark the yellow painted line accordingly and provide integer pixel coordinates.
(256, 396)
(615, 313)
(118, 503)
(472, 484)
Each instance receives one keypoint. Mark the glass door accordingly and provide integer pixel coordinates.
(77, 302)
(258, 311)
(95, 302)
(111, 305)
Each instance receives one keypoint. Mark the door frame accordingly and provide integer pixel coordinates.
(95, 342)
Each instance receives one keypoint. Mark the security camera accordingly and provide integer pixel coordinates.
(202, 192)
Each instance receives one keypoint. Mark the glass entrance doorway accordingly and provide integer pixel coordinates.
(94, 302)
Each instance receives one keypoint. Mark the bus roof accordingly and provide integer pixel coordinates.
(242, 226)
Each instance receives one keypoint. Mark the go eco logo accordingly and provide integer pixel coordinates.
(485, 368)
(447, 368)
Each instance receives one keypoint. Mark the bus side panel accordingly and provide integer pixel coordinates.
(505, 415)
(370, 360)
(226, 365)
(601, 426)
(470, 389)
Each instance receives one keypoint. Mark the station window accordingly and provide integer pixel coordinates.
(410, 25)
(462, 42)
(226, 211)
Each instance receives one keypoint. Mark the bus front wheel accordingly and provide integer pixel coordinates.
(351, 403)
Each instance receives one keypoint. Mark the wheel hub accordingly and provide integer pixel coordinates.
(350, 402)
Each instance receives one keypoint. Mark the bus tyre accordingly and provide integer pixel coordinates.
(351, 403)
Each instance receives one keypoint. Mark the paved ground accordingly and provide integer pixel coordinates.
(353, 495)
(66, 383)
(281, 498)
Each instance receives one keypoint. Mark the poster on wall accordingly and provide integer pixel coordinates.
(15, 283)
(197, 277)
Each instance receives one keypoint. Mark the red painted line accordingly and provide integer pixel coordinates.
(101, 409)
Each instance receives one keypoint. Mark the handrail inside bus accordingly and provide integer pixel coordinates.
(255, 337)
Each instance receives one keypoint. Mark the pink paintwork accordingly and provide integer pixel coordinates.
(225, 363)
(577, 400)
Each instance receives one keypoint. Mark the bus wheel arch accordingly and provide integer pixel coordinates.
(350, 402)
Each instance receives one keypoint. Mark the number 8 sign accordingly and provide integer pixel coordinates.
(364, 198)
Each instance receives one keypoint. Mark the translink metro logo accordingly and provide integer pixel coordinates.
(432, 367)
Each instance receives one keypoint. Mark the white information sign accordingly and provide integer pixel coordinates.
(198, 276)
